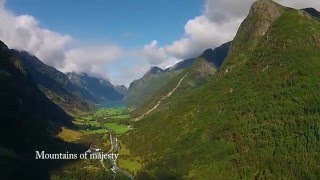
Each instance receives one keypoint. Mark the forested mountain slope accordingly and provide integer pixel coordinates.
(29, 120)
(55, 84)
(257, 117)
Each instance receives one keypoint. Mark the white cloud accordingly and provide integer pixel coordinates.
(2, 2)
(217, 24)
(201, 34)
(92, 60)
(220, 11)
(300, 4)
(153, 53)
(23, 32)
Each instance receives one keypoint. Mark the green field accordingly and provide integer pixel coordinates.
(96, 131)
(120, 117)
(114, 119)
(131, 165)
(112, 112)
(117, 128)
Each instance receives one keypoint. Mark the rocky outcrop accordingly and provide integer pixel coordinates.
(261, 15)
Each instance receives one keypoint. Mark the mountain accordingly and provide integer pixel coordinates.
(141, 90)
(101, 90)
(29, 119)
(217, 55)
(181, 65)
(54, 84)
(313, 12)
(257, 117)
(121, 89)
(154, 71)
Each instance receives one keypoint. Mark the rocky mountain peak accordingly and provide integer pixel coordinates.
(266, 12)
(313, 12)
(154, 71)
(3, 45)
(261, 16)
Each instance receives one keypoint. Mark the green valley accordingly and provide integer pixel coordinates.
(244, 105)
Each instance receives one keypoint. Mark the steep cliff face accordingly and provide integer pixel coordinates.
(261, 15)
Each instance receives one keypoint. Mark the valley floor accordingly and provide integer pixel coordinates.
(100, 129)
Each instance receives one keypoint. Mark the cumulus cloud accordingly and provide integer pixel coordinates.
(23, 33)
(217, 24)
(221, 11)
(201, 34)
(153, 53)
(92, 60)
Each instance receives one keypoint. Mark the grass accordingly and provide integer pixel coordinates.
(131, 165)
(120, 117)
(109, 112)
(96, 131)
(127, 161)
(114, 119)
(69, 135)
(117, 128)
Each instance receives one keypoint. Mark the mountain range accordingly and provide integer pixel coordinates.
(97, 89)
(257, 117)
(141, 90)
(248, 109)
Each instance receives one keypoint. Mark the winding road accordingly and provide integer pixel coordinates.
(114, 149)
(114, 141)
(159, 102)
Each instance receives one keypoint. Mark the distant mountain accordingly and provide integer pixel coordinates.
(181, 65)
(101, 90)
(217, 55)
(141, 90)
(313, 12)
(154, 71)
(257, 117)
(121, 89)
(54, 84)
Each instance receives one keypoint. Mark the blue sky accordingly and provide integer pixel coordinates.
(126, 22)
(121, 39)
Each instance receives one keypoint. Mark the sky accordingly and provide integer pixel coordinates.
(120, 40)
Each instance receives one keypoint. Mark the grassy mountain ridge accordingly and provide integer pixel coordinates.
(258, 117)
(28, 121)
(54, 84)
(141, 90)
(198, 73)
